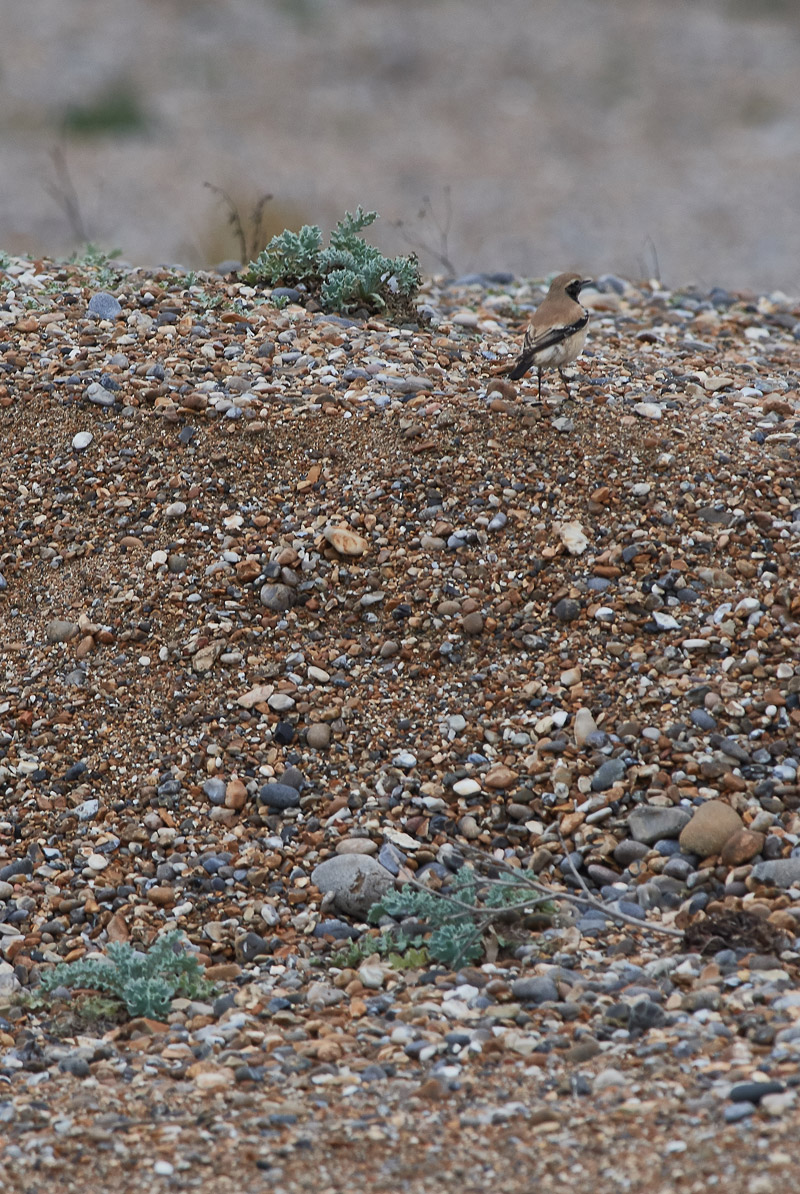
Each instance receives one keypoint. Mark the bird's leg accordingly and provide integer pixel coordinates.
(539, 374)
(566, 383)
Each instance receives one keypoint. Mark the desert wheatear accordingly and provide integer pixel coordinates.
(557, 332)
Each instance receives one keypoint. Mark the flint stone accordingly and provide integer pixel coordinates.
(649, 824)
(585, 726)
(104, 305)
(355, 880)
(60, 631)
(279, 796)
(783, 872)
(608, 773)
(536, 988)
(709, 829)
(277, 597)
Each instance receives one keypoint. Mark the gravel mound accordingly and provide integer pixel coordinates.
(178, 751)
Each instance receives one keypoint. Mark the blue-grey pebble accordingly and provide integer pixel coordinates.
(392, 858)
(77, 1066)
(337, 929)
(753, 1092)
(214, 789)
(535, 988)
(104, 305)
(279, 796)
(608, 773)
(735, 1112)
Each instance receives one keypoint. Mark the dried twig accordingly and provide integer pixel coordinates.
(418, 244)
(65, 194)
(587, 898)
(246, 250)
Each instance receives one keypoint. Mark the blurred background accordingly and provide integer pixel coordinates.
(644, 137)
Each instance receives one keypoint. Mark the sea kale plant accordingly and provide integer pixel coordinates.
(462, 916)
(347, 275)
(144, 982)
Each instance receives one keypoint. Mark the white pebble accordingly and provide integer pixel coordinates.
(82, 440)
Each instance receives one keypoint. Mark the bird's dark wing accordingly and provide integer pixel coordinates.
(536, 342)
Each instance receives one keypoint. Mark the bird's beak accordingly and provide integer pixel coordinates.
(587, 282)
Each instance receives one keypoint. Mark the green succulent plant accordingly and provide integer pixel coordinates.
(145, 982)
(347, 275)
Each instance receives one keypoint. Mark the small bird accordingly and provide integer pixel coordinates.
(557, 332)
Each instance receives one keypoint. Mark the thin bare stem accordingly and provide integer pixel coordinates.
(587, 898)
(65, 194)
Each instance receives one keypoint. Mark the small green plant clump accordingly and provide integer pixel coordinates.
(144, 982)
(94, 258)
(400, 951)
(460, 916)
(348, 275)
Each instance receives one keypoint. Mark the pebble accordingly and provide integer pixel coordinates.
(355, 881)
(405, 700)
(279, 795)
(104, 305)
(318, 735)
(649, 824)
(783, 872)
(608, 774)
(710, 827)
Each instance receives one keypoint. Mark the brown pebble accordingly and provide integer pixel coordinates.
(235, 794)
(741, 846)
(472, 623)
(318, 735)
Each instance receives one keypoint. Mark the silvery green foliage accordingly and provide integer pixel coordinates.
(348, 274)
(145, 982)
(289, 257)
(456, 915)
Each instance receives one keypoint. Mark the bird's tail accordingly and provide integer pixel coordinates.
(520, 367)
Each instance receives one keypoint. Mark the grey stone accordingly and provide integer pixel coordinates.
(338, 929)
(99, 395)
(356, 882)
(609, 773)
(536, 988)
(77, 1066)
(279, 796)
(214, 789)
(783, 872)
(566, 610)
(60, 631)
(737, 1111)
(104, 305)
(391, 858)
(252, 946)
(646, 1014)
(630, 851)
(294, 777)
(754, 1092)
(277, 597)
(648, 824)
(87, 809)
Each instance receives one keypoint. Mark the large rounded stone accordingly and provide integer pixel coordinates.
(709, 829)
(356, 881)
(277, 597)
(650, 824)
(279, 796)
(783, 872)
